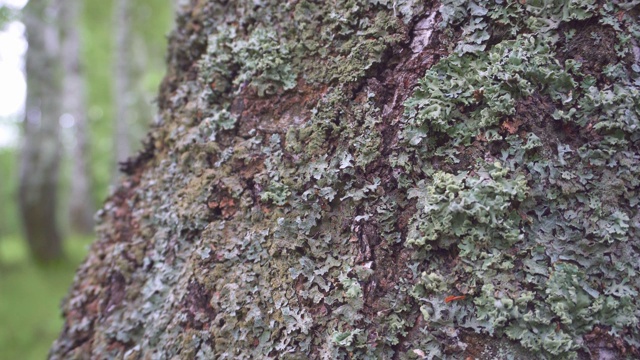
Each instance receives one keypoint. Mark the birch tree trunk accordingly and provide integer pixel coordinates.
(378, 180)
(81, 206)
(133, 103)
(123, 95)
(40, 152)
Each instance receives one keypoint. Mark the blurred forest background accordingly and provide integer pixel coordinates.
(93, 68)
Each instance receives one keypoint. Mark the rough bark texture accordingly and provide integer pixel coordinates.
(40, 152)
(378, 180)
(81, 205)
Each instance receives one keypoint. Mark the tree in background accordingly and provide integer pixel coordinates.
(81, 203)
(123, 95)
(135, 60)
(41, 148)
(378, 180)
(149, 21)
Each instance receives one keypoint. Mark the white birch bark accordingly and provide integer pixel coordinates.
(40, 156)
(122, 84)
(81, 206)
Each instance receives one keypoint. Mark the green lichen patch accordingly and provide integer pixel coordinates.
(547, 276)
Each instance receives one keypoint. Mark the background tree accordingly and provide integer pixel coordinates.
(378, 180)
(135, 64)
(40, 153)
(81, 204)
(150, 21)
(123, 91)
(29, 314)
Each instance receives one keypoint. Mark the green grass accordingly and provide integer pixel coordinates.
(30, 297)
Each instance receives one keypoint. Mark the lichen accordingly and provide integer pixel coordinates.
(320, 188)
(557, 236)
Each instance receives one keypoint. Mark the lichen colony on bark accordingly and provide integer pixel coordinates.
(378, 180)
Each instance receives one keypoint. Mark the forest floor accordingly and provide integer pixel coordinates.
(30, 296)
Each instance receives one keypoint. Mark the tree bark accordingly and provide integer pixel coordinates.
(81, 205)
(40, 154)
(377, 180)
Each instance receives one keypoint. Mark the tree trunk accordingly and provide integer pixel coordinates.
(41, 145)
(123, 95)
(81, 206)
(378, 180)
(133, 103)
(134, 61)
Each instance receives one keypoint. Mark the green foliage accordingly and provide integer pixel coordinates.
(9, 223)
(97, 49)
(151, 20)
